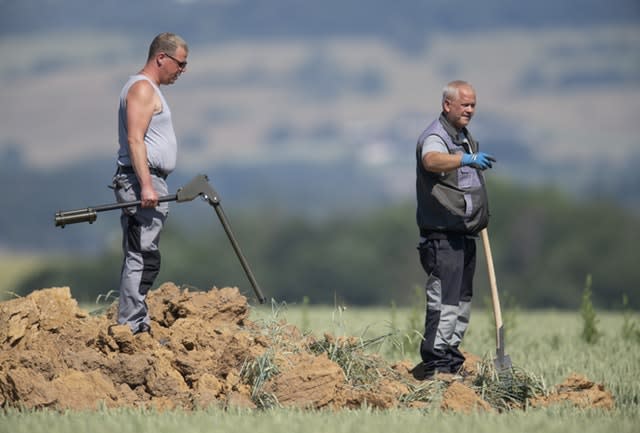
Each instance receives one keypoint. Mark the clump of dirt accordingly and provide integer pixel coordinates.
(203, 351)
(579, 391)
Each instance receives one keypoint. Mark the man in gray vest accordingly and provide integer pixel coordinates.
(451, 209)
(147, 155)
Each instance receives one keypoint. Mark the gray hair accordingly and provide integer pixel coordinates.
(451, 91)
(166, 43)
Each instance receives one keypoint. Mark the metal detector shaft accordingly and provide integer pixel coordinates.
(200, 186)
(236, 248)
(89, 214)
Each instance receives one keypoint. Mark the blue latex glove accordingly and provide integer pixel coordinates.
(479, 160)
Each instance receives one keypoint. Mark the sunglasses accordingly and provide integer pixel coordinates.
(180, 64)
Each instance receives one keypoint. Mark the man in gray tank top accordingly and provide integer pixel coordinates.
(452, 208)
(146, 156)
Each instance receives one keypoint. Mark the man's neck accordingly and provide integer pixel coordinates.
(150, 74)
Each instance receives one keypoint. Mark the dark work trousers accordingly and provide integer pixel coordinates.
(141, 229)
(450, 264)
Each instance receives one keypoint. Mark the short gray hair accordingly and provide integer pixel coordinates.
(166, 43)
(452, 90)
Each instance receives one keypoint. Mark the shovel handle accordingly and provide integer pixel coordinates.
(495, 300)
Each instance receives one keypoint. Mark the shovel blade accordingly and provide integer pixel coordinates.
(502, 363)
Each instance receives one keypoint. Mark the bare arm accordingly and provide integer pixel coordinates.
(142, 103)
(439, 162)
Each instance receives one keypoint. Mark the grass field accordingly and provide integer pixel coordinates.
(13, 267)
(561, 420)
(546, 343)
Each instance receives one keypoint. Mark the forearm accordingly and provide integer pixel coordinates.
(438, 162)
(138, 156)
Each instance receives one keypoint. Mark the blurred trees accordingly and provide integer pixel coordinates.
(544, 244)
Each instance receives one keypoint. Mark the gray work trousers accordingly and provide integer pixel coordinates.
(450, 265)
(141, 229)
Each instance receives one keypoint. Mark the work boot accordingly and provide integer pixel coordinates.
(144, 327)
(421, 372)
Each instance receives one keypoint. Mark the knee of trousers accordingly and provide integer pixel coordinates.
(151, 261)
(434, 293)
(150, 270)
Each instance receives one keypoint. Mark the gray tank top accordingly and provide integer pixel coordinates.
(160, 138)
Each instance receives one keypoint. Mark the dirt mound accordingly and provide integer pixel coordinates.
(579, 391)
(204, 351)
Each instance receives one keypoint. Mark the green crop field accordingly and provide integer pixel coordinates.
(546, 343)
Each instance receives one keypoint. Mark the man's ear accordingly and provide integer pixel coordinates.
(446, 106)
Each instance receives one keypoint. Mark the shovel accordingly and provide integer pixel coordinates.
(502, 361)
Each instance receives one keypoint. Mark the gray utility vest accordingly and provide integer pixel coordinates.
(453, 202)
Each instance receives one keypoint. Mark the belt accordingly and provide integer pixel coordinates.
(430, 234)
(125, 169)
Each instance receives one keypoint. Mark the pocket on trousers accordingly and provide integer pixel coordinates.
(428, 255)
(121, 181)
(124, 191)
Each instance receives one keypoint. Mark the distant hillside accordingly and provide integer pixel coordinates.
(312, 108)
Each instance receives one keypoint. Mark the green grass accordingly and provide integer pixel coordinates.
(12, 269)
(545, 343)
(561, 420)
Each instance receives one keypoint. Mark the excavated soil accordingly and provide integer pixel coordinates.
(203, 351)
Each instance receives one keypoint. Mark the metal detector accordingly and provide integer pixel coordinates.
(198, 187)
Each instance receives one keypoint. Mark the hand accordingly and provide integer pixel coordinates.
(479, 160)
(149, 197)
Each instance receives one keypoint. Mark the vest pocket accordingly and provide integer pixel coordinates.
(451, 199)
(468, 205)
(468, 178)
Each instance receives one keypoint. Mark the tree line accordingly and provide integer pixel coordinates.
(544, 245)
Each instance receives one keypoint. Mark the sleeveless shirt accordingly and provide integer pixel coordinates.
(160, 138)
